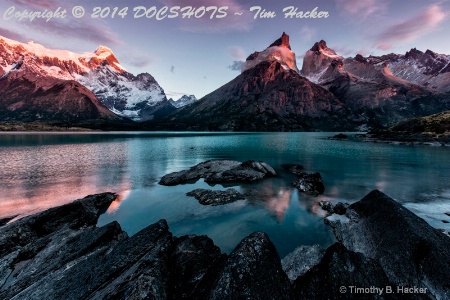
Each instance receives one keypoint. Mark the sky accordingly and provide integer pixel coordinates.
(198, 55)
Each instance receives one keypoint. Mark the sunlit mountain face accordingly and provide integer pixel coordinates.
(135, 97)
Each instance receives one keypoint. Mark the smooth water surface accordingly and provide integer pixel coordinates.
(44, 170)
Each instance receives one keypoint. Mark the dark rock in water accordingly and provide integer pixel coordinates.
(294, 169)
(445, 221)
(210, 197)
(5, 221)
(411, 252)
(301, 260)
(448, 214)
(339, 136)
(340, 268)
(221, 171)
(340, 208)
(310, 183)
(252, 271)
(327, 206)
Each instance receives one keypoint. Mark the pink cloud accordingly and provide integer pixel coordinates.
(412, 28)
(384, 47)
(361, 8)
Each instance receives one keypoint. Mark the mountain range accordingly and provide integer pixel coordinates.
(329, 92)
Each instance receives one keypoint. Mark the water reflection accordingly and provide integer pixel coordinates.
(36, 178)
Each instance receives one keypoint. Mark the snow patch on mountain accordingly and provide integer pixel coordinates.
(183, 101)
(279, 51)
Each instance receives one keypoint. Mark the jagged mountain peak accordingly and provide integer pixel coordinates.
(279, 51)
(283, 41)
(322, 45)
(103, 50)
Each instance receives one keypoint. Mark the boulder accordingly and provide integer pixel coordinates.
(221, 171)
(339, 271)
(301, 260)
(252, 271)
(340, 208)
(410, 251)
(310, 183)
(210, 197)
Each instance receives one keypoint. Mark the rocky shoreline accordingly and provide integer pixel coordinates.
(61, 254)
(404, 138)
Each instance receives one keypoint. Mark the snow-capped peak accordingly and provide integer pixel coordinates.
(99, 71)
(279, 51)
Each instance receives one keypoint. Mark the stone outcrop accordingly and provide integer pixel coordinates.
(221, 171)
(210, 197)
(411, 252)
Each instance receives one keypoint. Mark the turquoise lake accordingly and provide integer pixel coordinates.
(42, 170)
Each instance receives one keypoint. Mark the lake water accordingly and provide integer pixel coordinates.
(38, 171)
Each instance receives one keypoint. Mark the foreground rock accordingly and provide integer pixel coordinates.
(61, 254)
(221, 171)
(340, 208)
(5, 221)
(301, 260)
(210, 197)
(410, 252)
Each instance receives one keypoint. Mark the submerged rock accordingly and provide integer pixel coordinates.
(294, 169)
(301, 260)
(221, 171)
(310, 183)
(210, 197)
(410, 251)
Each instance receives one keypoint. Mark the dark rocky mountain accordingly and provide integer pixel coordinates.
(136, 97)
(29, 97)
(427, 68)
(269, 96)
(369, 88)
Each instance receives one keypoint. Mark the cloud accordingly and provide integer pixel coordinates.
(48, 4)
(205, 24)
(83, 30)
(13, 35)
(236, 53)
(307, 33)
(136, 59)
(236, 66)
(412, 28)
(384, 47)
(362, 8)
